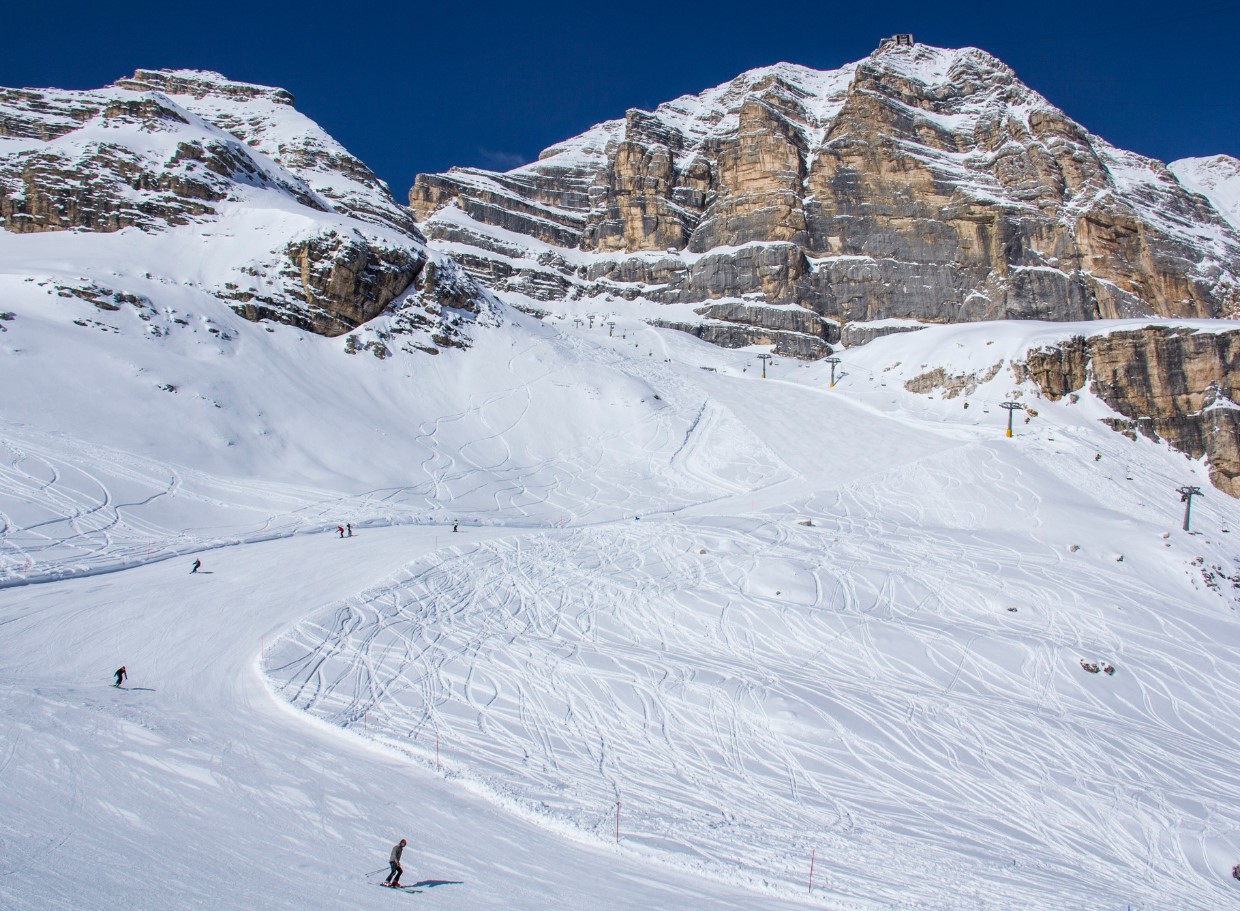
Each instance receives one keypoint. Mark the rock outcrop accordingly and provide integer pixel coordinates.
(301, 232)
(919, 184)
(102, 185)
(1174, 384)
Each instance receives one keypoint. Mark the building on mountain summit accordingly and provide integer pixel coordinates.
(896, 41)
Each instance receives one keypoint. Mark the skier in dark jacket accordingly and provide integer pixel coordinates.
(197, 565)
(121, 674)
(393, 879)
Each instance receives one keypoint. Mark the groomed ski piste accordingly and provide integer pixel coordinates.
(697, 630)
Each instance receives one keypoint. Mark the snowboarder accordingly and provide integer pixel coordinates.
(121, 674)
(393, 879)
(348, 527)
(456, 526)
(340, 529)
(196, 566)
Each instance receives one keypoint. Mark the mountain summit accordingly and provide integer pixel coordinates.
(185, 179)
(799, 207)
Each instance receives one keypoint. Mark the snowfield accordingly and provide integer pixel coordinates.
(697, 629)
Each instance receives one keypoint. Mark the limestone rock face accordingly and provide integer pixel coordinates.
(1173, 384)
(345, 282)
(106, 186)
(919, 184)
(294, 228)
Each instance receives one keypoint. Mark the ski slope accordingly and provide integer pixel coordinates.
(697, 628)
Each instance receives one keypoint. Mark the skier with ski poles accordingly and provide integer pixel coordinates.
(393, 879)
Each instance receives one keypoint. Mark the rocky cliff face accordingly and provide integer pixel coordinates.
(1175, 384)
(919, 184)
(295, 228)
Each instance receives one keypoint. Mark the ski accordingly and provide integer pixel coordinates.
(410, 890)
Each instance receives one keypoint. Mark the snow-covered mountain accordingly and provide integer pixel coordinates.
(1217, 178)
(219, 189)
(798, 207)
(622, 619)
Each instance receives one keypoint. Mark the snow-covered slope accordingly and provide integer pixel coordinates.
(268, 122)
(742, 623)
(1217, 178)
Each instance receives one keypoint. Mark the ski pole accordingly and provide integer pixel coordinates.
(373, 872)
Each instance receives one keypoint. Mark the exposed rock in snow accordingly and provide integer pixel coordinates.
(1173, 384)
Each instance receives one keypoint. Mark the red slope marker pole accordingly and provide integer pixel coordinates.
(812, 852)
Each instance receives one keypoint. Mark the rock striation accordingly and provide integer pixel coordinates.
(920, 184)
(1169, 383)
(301, 231)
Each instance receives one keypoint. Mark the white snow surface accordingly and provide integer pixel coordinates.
(696, 629)
(1217, 178)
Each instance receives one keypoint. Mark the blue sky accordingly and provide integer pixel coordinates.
(418, 87)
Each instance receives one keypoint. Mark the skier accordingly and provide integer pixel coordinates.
(197, 564)
(121, 674)
(456, 526)
(393, 879)
(348, 526)
(340, 529)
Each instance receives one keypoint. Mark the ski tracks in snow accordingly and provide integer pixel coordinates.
(749, 689)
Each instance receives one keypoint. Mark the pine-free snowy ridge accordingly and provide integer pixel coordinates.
(767, 618)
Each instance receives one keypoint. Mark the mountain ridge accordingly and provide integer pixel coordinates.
(300, 231)
(919, 183)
